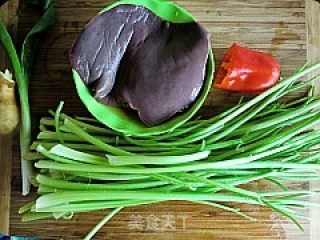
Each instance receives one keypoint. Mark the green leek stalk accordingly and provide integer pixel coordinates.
(22, 69)
(25, 129)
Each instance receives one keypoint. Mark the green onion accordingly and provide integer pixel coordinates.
(22, 69)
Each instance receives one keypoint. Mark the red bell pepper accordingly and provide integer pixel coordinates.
(244, 70)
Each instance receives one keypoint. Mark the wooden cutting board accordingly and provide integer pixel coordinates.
(284, 28)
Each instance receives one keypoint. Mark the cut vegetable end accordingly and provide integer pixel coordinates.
(57, 120)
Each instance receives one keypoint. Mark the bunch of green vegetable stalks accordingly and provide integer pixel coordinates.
(84, 166)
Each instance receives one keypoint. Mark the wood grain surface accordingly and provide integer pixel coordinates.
(277, 27)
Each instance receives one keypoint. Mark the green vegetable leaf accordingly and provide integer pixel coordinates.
(31, 41)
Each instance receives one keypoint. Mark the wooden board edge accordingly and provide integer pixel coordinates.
(5, 156)
(313, 54)
(8, 15)
(316, 219)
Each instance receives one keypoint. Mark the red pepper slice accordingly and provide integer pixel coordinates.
(245, 70)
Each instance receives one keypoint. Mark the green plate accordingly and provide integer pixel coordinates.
(123, 120)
